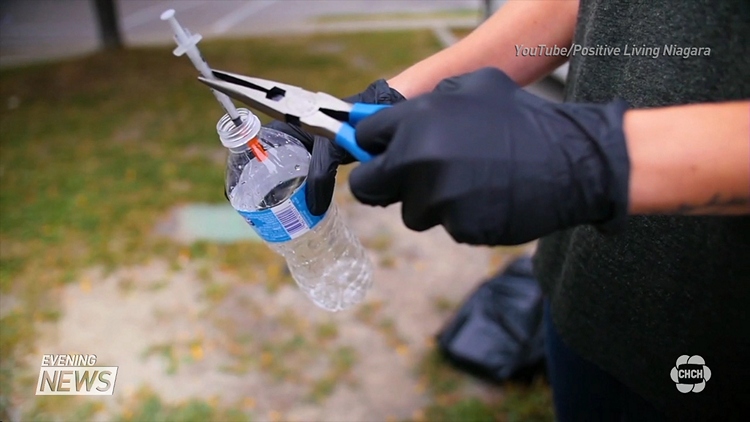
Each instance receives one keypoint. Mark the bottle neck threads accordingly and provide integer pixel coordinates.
(234, 137)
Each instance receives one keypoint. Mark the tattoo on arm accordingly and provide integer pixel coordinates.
(717, 205)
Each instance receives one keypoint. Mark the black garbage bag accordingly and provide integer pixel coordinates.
(497, 333)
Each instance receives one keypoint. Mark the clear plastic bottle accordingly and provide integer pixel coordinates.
(265, 183)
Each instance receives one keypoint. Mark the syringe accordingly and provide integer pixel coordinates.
(187, 43)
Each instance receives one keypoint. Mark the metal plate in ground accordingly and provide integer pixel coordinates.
(210, 222)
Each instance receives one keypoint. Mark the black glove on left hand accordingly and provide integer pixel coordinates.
(494, 164)
(326, 155)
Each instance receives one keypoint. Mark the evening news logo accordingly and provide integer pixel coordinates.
(75, 375)
(690, 373)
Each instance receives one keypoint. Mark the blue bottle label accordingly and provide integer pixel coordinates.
(286, 221)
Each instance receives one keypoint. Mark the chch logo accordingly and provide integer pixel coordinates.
(690, 373)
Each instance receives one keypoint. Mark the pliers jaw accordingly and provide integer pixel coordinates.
(288, 103)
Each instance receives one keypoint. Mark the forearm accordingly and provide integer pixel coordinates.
(494, 44)
(692, 159)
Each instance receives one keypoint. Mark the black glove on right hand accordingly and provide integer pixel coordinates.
(494, 164)
(326, 155)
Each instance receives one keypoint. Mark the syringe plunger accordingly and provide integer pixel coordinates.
(187, 43)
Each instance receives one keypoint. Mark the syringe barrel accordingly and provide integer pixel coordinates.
(187, 43)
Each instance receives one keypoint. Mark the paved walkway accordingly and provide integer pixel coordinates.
(39, 30)
(48, 29)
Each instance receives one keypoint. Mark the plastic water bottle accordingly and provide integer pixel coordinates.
(265, 183)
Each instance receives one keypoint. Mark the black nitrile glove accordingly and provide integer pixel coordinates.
(326, 155)
(494, 164)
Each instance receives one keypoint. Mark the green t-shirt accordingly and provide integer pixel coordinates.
(668, 285)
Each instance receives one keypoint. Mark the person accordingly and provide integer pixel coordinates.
(638, 186)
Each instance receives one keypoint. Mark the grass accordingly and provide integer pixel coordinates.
(445, 385)
(461, 32)
(147, 406)
(369, 313)
(99, 148)
(167, 352)
(532, 405)
(373, 17)
(94, 151)
(444, 305)
(340, 365)
(438, 376)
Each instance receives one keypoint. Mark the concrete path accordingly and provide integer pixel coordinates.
(39, 30)
(48, 29)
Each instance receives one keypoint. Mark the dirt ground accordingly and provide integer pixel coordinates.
(273, 353)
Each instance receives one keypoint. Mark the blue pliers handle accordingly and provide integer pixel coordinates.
(345, 137)
(316, 112)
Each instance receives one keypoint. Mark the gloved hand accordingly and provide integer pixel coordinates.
(494, 164)
(326, 155)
